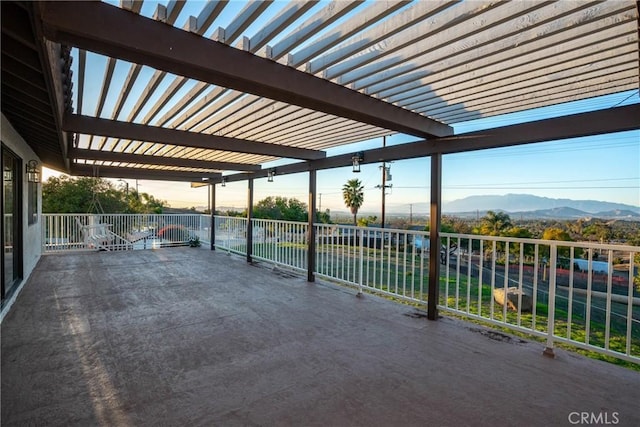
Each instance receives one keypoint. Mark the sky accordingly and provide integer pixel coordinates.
(605, 168)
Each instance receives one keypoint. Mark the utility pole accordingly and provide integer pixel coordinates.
(410, 213)
(384, 185)
(320, 202)
(127, 187)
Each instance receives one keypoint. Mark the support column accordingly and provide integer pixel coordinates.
(212, 230)
(249, 218)
(311, 233)
(384, 187)
(434, 236)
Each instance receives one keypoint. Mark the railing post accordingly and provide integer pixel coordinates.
(359, 235)
(434, 237)
(311, 231)
(548, 351)
(212, 228)
(249, 219)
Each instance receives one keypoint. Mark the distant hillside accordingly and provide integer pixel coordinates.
(552, 213)
(521, 203)
(618, 213)
(570, 213)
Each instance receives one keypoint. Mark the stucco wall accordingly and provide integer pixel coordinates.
(31, 234)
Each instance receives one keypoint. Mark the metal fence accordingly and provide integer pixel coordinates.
(63, 232)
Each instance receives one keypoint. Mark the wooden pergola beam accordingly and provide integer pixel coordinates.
(111, 31)
(140, 173)
(110, 156)
(133, 131)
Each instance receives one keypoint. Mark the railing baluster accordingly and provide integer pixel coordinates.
(570, 296)
(469, 263)
(551, 323)
(520, 289)
(607, 324)
(588, 304)
(630, 303)
(480, 273)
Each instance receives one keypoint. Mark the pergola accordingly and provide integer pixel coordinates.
(184, 97)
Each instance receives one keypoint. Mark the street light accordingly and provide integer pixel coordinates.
(127, 186)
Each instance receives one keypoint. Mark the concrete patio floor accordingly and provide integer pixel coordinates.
(189, 337)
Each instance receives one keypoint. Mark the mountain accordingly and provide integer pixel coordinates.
(527, 202)
(552, 213)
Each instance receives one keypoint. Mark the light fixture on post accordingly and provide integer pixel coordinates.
(33, 173)
(356, 159)
(224, 181)
(270, 175)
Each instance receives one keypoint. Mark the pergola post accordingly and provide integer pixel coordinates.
(212, 206)
(311, 233)
(434, 236)
(249, 218)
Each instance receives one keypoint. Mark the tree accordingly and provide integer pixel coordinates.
(93, 195)
(281, 208)
(554, 233)
(365, 222)
(81, 195)
(353, 195)
(600, 230)
(323, 217)
(494, 224)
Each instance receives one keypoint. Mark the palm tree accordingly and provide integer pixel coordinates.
(353, 196)
(495, 223)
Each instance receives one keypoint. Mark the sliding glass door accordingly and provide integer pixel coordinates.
(11, 227)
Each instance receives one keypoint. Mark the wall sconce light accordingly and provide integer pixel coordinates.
(224, 181)
(356, 159)
(33, 173)
(270, 175)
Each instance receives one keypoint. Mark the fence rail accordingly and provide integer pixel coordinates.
(576, 293)
(63, 232)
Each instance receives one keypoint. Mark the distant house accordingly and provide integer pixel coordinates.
(596, 266)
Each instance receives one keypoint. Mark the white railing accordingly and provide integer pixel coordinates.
(63, 232)
(385, 261)
(568, 292)
(555, 289)
(280, 242)
(231, 234)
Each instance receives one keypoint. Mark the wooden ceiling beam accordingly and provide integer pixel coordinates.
(116, 33)
(110, 156)
(132, 131)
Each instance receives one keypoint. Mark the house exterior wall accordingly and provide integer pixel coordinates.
(31, 233)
